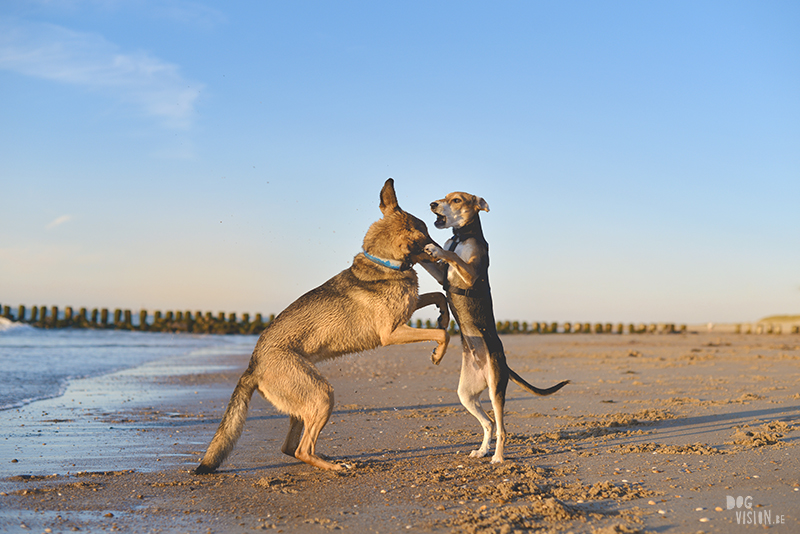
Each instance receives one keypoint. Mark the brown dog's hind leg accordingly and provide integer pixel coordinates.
(293, 437)
(315, 417)
(295, 386)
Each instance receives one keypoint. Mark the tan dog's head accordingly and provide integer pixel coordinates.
(398, 236)
(457, 209)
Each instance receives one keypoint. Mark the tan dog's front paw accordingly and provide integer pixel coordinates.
(434, 251)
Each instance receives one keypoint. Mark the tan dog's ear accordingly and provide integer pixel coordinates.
(388, 198)
(482, 204)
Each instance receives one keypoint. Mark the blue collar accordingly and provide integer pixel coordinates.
(391, 264)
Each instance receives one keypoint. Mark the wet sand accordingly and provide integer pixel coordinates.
(653, 435)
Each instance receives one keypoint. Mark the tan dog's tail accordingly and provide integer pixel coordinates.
(533, 389)
(231, 426)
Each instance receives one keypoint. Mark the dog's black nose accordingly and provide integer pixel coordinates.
(433, 205)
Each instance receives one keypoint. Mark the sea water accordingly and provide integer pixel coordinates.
(38, 363)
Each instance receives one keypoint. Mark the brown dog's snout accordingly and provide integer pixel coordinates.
(434, 205)
(417, 247)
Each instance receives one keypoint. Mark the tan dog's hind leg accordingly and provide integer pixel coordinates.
(500, 440)
(497, 396)
(470, 386)
(472, 403)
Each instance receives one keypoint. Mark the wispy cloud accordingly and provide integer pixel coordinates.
(59, 221)
(184, 12)
(90, 61)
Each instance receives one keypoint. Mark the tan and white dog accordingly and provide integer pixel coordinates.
(463, 271)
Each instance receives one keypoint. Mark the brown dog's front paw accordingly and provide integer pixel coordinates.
(441, 348)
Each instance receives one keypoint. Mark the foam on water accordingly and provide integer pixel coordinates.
(8, 324)
(38, 364)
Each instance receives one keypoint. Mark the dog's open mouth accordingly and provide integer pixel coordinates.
(441, 220)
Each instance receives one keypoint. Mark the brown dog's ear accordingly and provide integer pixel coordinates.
(482, 204)
(388, 198)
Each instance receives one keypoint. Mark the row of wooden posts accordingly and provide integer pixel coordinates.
(765, 328)
(222, 323)
(101, 318)
(515, 327)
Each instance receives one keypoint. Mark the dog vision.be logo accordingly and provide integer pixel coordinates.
(745, 515)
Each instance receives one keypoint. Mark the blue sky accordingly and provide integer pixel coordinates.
(641, 159)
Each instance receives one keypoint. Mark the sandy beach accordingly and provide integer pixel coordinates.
(678, 433)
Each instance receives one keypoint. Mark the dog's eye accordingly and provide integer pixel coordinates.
(456, 201)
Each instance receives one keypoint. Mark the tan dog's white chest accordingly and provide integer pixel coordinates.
(463, 261)
(462, 252)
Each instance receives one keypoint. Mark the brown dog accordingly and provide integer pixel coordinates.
(363, 307)
(463, 270)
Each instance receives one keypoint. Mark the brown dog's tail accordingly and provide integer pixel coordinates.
(533, 389)
(231, 426)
